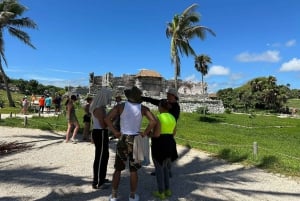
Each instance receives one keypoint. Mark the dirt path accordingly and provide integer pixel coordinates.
(53, 170)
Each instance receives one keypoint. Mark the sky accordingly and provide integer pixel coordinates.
(254, 38)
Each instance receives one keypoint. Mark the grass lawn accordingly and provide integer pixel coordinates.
(227, 136)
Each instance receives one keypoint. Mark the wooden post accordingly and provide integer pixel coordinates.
(0, 116)
(255, 149)
(25, 121)
(10, 115)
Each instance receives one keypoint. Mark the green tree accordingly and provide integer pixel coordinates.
(181, 30)
(201, 65)
(11, 20)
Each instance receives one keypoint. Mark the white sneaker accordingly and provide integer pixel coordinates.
(112, 199)
(136, 198)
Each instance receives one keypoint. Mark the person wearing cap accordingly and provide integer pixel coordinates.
(100, 137)
(172, 98)
(131, 113)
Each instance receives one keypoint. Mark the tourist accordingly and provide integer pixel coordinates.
(48, 103)
(172, 97)
(87, 120)
(57, 103)
(25, 105)
(42, 103)
(72, 119)
(131, 113)
(163, 149)
(100, 137)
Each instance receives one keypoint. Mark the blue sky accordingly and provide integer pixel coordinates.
(254, 38)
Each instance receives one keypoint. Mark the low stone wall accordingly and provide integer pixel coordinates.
(189, 105)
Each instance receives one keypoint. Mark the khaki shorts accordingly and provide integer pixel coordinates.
(125, 151)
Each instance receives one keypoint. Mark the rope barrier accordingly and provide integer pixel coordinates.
(254, 146)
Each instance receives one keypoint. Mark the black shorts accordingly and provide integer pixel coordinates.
(87, 118)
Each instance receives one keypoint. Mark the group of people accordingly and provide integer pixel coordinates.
(161, 129)
(45, 101)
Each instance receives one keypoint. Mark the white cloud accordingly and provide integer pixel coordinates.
(65, 71)
(290, 43)
(218, 70)
(236, 76)
(292, 65)
(268, 56)
(192, 78)
(274, 44)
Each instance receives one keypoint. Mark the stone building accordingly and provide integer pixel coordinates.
(149, 81)
(191, 95)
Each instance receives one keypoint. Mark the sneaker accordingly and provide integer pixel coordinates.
(112, 199)
(168, 193)
(136, 198)
(74, 141)
(107, 181)
(103, 186)
(159, 195)
(153, 174)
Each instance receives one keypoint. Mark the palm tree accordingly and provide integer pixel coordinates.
(201, 65)
(10, 11)
(181, 30)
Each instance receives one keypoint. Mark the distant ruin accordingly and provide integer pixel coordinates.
(191, 95)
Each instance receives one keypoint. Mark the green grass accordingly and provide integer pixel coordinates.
(231, 137)
(293, 103)
(226, 136)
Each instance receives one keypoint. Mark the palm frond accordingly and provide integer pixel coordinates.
(23, 22)
(23, 36)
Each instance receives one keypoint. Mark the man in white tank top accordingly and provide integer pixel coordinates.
(131, 113)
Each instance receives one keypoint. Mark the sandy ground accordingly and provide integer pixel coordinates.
(53, 170)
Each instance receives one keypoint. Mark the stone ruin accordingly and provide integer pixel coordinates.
(191, 95)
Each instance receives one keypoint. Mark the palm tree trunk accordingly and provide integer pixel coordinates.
(202, 84)
(9, 97)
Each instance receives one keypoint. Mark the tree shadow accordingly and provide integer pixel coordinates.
(210, 119)
(195, 177)
(231, 156)
(267, 162)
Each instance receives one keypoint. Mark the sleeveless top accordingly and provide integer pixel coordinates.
(131, 118)
(96, 123)
(167, 123)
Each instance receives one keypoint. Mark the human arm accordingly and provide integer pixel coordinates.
(100, 113)
(151, 100)
(113, 114)
(68, 110)
(174, 131)
(152, 121)
(175, 110)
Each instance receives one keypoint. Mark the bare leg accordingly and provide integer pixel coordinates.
(133, 183)
(68, 131)
(75, 131)
(115, 183)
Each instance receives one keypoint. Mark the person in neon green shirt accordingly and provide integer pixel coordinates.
(163, 149)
